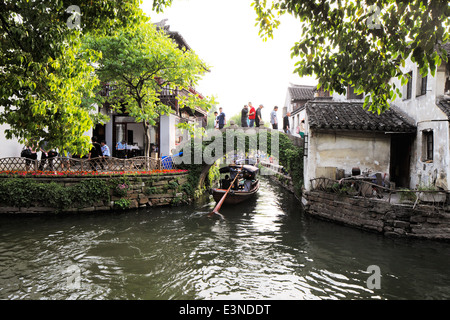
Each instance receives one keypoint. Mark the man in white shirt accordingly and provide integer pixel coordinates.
(273, 118)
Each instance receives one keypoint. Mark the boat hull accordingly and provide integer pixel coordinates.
(235, 196)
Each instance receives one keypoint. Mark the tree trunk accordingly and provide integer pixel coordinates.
(147, 146)
(147, 139)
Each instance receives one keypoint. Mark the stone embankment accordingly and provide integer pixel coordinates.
(390, 219)
(140, 191)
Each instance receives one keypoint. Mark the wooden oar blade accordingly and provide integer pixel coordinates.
(219, 204)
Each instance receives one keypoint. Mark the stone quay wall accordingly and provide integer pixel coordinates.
(422, 221)
(142, 191)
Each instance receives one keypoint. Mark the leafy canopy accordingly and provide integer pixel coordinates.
(45, 84)
(362, 43)
(140, 61)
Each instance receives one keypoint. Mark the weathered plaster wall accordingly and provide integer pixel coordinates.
(423, 109)
(345, 150)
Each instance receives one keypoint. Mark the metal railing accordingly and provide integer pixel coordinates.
(63, 164)
(367, 189)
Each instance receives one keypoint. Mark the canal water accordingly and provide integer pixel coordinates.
(265, 249)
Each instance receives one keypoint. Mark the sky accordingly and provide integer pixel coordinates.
(243, 68)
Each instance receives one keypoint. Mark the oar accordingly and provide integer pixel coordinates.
(219, 204)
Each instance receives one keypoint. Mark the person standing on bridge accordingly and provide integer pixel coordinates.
(244, 115)
(216, 120)
(251, 115)
(273, 118)
(222, 120)
(258, 116)
(286, 126)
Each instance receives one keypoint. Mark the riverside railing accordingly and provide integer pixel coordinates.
(364, 187)
(62, 164)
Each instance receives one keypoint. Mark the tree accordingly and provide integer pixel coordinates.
(362, 43)
(140, 61)
(46, 80)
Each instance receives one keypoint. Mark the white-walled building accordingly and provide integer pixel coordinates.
(427, 101)
(409, 143)
(9, 147)
(341, 136)
(296, 97)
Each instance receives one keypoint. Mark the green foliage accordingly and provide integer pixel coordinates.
(122, 203)
(119, 185)
(362, 43)
(46, 76)
(188, 189)
(150, 190)
(89, 191)
(172, 185)
(23, 192)
(407, 195)
(121, 190)
(140, 61)
(291, 158)
(176, 201)
(213, 175)
(236, 118)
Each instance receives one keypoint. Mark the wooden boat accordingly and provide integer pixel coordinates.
(245, 186)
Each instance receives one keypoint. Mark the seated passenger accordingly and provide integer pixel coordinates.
(247, 185)
(226, 182)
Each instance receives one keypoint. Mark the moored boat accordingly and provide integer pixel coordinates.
(244, 187)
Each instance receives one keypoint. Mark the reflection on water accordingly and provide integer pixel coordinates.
(265, 249)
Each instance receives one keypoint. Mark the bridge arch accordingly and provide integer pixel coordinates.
(218, 144)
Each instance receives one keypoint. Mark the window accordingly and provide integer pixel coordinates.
(407, 89)
(352, 95)
(428, 144)
(421, 84)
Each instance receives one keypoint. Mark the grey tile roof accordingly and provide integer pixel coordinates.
(443, 103)
(344, 115)
(299, 92)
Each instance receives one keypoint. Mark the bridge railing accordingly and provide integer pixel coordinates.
(75, 164)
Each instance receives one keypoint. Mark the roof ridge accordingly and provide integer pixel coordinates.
(349, 115)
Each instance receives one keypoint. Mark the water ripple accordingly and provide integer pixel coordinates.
(266, 249)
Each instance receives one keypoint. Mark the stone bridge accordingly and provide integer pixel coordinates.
(267, 143)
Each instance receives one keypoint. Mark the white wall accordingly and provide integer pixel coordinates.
(167, 134)
(345, 150)
(9, 148)
(427, 116)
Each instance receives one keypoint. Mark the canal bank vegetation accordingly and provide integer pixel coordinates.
(203, 175)
(291, 158)
(289, 172)
(24, 192)
(73, 194)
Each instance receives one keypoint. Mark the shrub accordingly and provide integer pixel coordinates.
(122, 203)
(23, 192)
